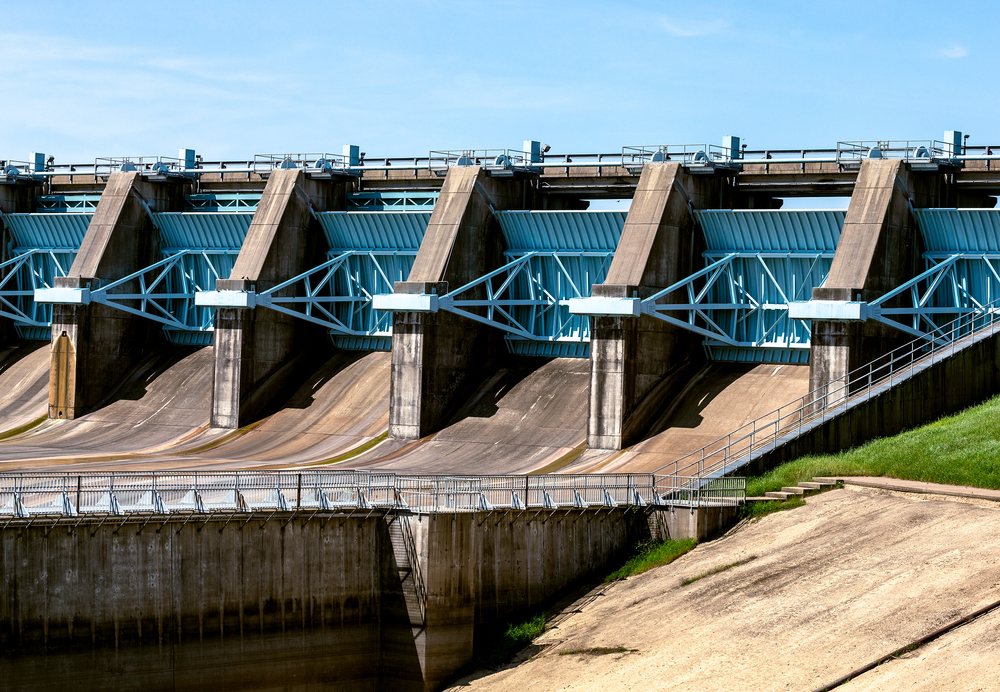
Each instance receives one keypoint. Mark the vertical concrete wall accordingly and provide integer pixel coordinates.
(93, 345)
(439, 358)
(14, 199)
(259, 352)
(637, 364)
(200, 605)
(368, 602)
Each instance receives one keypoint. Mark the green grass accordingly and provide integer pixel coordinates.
(514, 639)
(650, 554)
(963, 449)
(720, 568)
(754, 510)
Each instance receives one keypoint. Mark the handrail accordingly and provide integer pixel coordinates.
(166, 492)
(731, 451)
(265, 163)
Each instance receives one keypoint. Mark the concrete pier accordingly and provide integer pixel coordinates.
(439, 358)
(258, 351)
(638, 363)
(93, 345)
(879, 249)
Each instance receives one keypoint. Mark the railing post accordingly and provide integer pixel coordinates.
(298, 494)
(79, 484)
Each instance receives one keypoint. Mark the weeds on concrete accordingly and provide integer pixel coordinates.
(720, 568)
(650, 554)
(514, 639)
(599, 651)
(23, 428)
(357, 451)
(963, 449)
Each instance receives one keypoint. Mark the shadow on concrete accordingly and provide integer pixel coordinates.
(685, 409)
(135, 383)
(484, 403)
(17, 351)
(305, 379)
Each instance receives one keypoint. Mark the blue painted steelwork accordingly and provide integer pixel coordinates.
(962, 271)
(369, 251)
(552, 256)
(222, 201)
(197, 248)
(756, 263)
(43, 247)
(413, 200)
(84, 203)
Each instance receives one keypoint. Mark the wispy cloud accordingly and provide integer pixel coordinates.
(685, 28)
(956, 51)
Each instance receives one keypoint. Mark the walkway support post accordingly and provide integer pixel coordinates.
(638, 363)
(259, 352)
(93, 344)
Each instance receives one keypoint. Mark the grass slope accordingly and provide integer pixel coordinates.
(963, 449)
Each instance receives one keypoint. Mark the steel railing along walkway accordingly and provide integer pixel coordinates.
(707, 466)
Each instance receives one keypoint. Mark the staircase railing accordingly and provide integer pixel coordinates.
(736, 449)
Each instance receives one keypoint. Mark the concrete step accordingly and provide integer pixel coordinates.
(777, 495)
(825, 481)
(760, 498)
(795, 490)
(811, 485)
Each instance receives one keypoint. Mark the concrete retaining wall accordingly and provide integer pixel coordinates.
(377, 602)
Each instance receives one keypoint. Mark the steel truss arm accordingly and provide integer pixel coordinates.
(155, 285)
(924, 287)
(543, 277)
(319, 285)
(702, 314)
(12, 271)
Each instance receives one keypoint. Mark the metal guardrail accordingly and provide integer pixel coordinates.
(24, 495)
(691, 491)
(845, 153)
(709, 464)
(494, 160)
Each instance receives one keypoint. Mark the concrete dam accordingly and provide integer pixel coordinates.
(331, 419)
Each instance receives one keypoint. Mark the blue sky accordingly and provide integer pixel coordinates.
(232, 79)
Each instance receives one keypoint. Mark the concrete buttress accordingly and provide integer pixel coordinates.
(259, 352)
(880, 248)
(93, 345)
(637, 364)
(439, 358)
